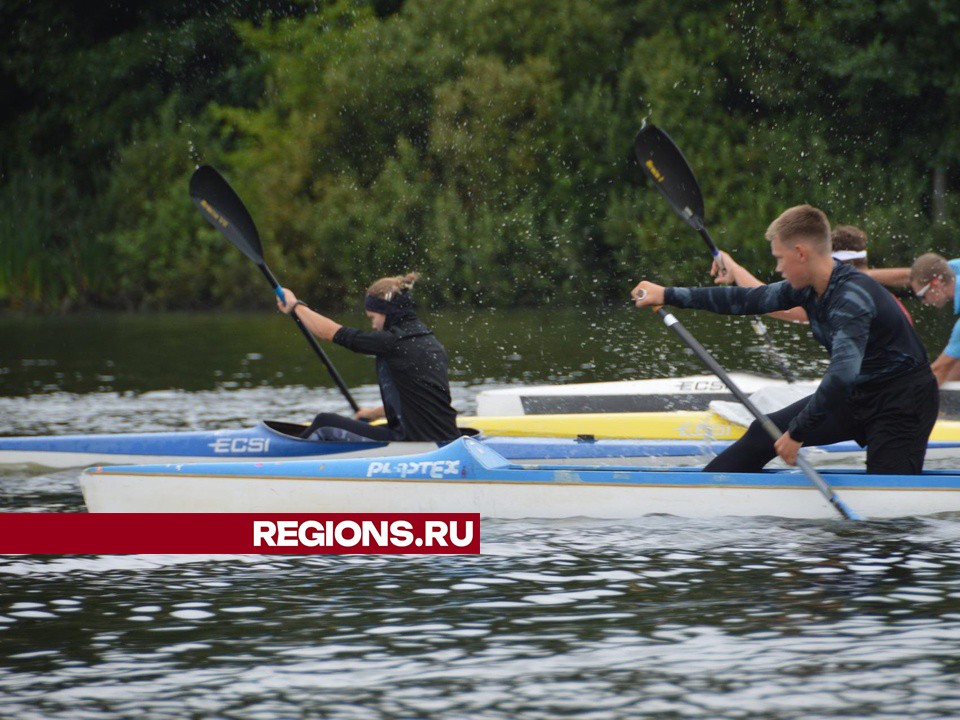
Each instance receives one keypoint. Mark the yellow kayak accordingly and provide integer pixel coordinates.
(683, 425)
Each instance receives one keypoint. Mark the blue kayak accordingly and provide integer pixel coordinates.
(271, 440)
(470, 476)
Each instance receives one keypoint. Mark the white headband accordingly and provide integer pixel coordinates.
(844, 255)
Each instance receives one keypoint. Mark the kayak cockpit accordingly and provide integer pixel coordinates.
(295, 430)
(287, 429)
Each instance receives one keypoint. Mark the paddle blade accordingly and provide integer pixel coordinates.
(224, 209)
(660, 157)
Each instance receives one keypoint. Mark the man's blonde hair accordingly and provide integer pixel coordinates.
(802, 222)
(927, 267)
(387, 288)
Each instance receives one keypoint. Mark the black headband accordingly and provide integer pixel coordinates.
(399, 303)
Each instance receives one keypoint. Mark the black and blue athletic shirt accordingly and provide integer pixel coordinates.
(412, 372)
(869, 339)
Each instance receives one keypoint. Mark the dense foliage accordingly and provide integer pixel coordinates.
(485, 143)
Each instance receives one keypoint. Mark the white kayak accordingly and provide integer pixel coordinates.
(693, 392)
(469, 476)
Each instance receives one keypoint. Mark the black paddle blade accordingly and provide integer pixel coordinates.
(661, 158)
(224, 209)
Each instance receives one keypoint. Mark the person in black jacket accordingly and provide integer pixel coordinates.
(411, 368)
(878, 390)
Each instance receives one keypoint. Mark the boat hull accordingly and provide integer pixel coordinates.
(268, 440)
(272, 441)
(465, 476)
(682, 425)
(694, 392)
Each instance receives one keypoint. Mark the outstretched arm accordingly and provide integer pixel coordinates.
(370, 413)
(721, 300)
(736, 273)
(320, 325)
(797, 315)
(740, 276)
(891, 277)
(946, 368)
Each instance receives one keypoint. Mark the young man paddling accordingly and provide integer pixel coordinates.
(878, 390)
(411, 368)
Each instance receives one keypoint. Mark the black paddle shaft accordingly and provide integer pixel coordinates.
(223, 208)
(660, 157)
(707, 359)
(313, 343)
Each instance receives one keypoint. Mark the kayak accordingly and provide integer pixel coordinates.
(469, 476)
(584, 436)
(268, 439)
(694, 392)
(272, 440)
(680, 425)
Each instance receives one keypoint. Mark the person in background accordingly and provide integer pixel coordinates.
(933, 279)
(411, 368)
(878, 389)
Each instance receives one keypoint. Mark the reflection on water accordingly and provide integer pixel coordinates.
(194, 352)
(137, 353)
(164, 410)
(661, 617)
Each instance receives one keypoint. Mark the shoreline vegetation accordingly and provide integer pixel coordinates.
(484, 143)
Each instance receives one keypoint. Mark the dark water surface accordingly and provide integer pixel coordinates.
(140, 353)
(662, 617)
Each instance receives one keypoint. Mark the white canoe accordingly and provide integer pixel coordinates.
(694, 392)
(467, 476)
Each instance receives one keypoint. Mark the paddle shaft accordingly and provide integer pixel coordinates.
(707, 359)
(310, 339)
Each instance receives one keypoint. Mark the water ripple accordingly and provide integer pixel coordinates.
(659, 617)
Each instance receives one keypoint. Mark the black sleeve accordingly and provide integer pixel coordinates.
(367, 342)
(850, 324)
(736, 300)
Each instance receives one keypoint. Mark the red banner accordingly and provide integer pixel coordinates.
(239, 533)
